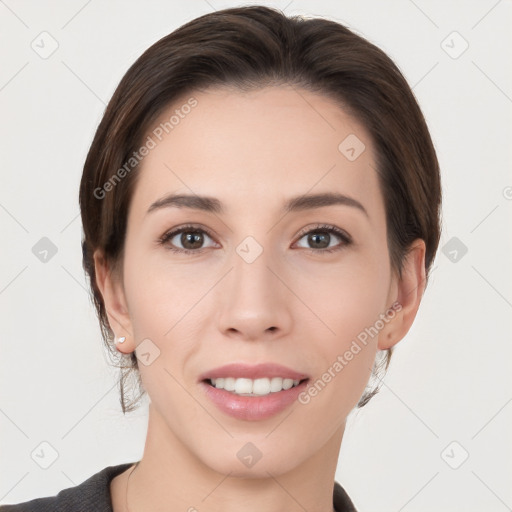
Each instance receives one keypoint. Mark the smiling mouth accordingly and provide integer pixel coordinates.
(254, 387)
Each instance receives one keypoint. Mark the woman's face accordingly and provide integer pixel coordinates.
(255, 288)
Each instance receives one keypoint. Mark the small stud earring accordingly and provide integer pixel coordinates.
(122, 339)
(118, 342)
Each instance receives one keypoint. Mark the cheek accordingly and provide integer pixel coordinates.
(159, 292)
(343, 359)
(164, 307)
(345, 296)
(348, 302)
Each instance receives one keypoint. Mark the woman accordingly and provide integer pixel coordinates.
(261, 208)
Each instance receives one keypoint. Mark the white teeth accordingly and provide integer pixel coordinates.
(243, 386)
(229, 384)
(256, 387)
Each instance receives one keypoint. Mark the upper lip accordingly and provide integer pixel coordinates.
(250, 371)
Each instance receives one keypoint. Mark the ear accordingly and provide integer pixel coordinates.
(406, 293)
(112, 291)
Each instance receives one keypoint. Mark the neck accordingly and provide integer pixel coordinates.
(171, 477)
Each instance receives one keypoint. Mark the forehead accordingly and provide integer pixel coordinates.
(251, 149)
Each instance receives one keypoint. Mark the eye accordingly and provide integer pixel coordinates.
(190, 237)
(321, 236)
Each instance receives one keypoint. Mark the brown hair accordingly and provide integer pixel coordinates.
(249, 48)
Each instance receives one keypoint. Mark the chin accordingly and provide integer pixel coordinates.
(252, 460)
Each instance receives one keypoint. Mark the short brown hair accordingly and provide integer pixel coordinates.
(249, 48)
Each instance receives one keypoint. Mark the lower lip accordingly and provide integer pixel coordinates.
(252, 408)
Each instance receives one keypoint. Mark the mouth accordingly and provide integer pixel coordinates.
(253, 380)
(258, 406)
(254, 387)
(252, 392)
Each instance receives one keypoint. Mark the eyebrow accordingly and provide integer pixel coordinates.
(295, 204)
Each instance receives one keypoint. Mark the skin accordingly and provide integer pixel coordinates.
(253, 151)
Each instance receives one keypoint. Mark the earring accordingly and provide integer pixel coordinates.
(119, 341)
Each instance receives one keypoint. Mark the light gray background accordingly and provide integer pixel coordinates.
(450, 379)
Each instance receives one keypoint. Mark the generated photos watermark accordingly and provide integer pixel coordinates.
(150, 143)
(343, 359)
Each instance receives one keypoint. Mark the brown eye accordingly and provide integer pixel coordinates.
(318, 240)
(191, 239)
(187, 239)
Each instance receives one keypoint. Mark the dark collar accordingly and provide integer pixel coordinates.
(341, 500)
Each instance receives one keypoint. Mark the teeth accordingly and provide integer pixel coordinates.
(256, 387)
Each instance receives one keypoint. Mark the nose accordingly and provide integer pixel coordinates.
(254, 299)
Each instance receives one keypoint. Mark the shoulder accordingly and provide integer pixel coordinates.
(341, 500)
(92, 494)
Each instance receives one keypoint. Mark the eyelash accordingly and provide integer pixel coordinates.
(323, 228)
